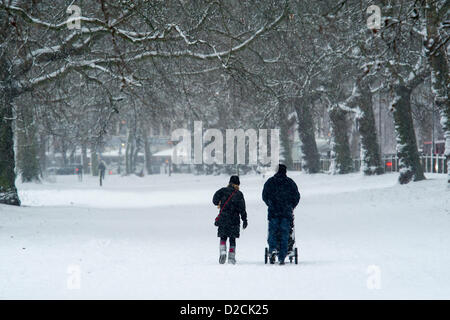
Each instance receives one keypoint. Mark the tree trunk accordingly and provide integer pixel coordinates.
(94, 160)
(127, 156)
(285, 143)
(135, 156)
(440, 81)
(8, 191)
(310, 155)
(27, 153)
(84, 158)
(370, 149)
(147, 153)
(42, 153)
(409, 160)
(129, 152)
(72, 157)
(341, 160)
(63, 151)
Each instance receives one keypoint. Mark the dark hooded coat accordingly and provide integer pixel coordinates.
(281, 195)
(232, 203)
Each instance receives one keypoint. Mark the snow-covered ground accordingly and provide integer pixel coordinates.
(153, 238)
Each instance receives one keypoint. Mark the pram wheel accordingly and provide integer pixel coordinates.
(292, 251)
(293, 255)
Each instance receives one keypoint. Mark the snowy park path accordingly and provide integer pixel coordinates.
(153, 238)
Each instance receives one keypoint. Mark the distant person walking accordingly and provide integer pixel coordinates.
(232, 208)
(281, 196)
(79, 170)
(101, 171)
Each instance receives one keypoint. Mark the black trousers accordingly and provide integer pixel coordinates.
(232, 241)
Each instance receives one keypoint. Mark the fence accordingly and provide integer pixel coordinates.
(430, 164)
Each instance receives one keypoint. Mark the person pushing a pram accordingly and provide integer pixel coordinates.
(281, 196)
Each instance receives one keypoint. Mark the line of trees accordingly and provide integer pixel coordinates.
(230, 64)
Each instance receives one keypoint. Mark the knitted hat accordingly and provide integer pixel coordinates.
(235, 180)
(282, 168)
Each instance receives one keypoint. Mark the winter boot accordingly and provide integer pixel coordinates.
(232, 255)
(223, 253)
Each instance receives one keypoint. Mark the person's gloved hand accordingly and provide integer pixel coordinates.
(245, 224)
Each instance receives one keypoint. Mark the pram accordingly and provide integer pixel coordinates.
(292, 248)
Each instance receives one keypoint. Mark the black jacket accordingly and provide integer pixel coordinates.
(281, 195)
(101, 166)
(234, 210)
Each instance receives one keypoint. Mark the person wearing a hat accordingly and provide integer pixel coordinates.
(281, 196)
(231, 204)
